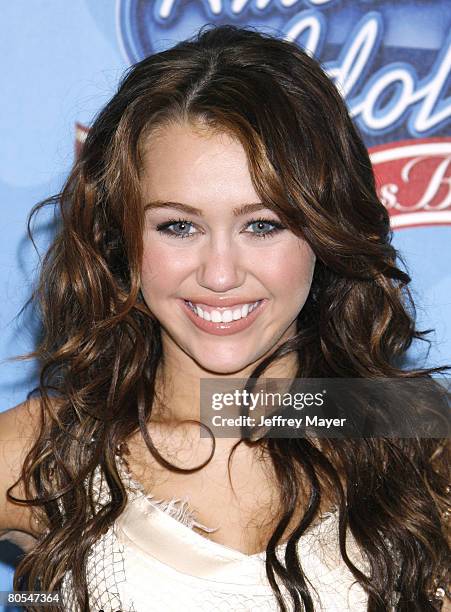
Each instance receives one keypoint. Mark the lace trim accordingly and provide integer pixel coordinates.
(177, 507)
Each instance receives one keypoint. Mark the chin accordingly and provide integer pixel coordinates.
(221, 364)
(221, 368)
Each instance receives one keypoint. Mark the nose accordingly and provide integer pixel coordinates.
(221, 265)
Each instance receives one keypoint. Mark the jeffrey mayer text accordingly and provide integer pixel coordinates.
(275, 421)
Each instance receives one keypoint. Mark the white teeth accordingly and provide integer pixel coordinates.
(237, 314)
(216, 316)
(226, 315)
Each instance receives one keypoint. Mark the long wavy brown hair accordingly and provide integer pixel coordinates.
(101, 346)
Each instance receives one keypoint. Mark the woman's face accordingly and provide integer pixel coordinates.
(212, 252)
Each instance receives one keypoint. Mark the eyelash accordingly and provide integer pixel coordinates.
(164, 228)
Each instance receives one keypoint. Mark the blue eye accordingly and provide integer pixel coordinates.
(260, 233)
(182, 223)
(176, 228)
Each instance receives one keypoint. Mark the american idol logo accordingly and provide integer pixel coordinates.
(391, 62)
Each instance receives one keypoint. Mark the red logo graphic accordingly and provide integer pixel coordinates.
(414, 181)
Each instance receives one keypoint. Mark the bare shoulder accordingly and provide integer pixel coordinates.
(19, 428)
(446, 605)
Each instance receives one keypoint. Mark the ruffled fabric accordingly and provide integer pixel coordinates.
(151, 559)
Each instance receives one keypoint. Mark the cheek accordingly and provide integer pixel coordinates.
(289, 270)
(163, 267)
(285, 270)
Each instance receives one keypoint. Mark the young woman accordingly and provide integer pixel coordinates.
(220, 222)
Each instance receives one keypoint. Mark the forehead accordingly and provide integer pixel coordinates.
(198, 167)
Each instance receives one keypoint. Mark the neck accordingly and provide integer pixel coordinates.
(177, 388)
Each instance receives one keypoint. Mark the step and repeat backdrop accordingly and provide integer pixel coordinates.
(61, 61)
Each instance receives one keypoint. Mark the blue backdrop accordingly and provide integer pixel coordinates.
(61, 61)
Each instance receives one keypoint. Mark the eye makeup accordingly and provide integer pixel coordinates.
(165, 228)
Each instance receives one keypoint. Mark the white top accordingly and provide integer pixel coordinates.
(152, 560)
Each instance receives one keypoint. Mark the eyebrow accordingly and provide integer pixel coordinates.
(191, 210)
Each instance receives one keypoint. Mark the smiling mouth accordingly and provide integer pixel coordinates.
(222, 321)
(223, 315)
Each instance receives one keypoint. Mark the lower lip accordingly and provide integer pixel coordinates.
(224, 329)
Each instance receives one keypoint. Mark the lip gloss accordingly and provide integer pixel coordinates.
(223, 329)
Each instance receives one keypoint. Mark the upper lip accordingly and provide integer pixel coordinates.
(221, 301)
